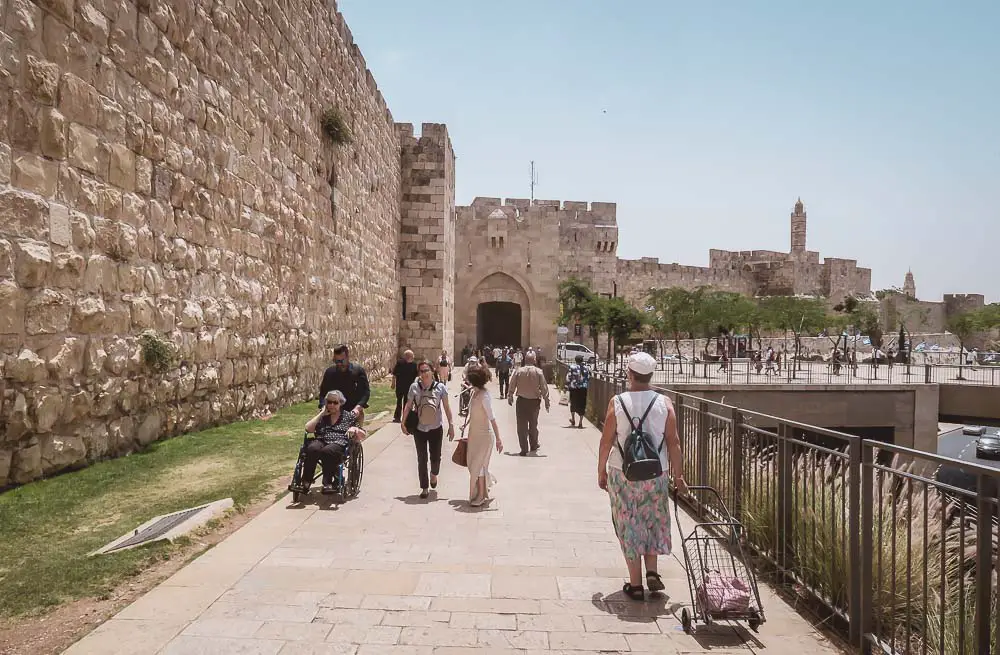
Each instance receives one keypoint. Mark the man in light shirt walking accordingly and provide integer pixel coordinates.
(530, 389)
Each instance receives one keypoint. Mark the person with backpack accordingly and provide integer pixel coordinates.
(426, 404)
(577, 381)
(639, 446)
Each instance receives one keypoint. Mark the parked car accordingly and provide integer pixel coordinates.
(567, 352)
(988, 447)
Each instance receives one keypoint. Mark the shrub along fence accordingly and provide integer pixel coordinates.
(900, 545)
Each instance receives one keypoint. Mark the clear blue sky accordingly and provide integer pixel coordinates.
(705, 120)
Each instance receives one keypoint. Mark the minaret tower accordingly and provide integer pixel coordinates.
(798, 219)
(909, 286)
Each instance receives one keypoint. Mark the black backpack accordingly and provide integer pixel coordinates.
(640, 460)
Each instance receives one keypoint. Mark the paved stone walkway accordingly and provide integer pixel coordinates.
(539, 571)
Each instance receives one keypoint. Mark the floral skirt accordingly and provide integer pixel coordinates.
(641, 514)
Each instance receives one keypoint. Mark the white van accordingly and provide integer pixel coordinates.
(567, 352)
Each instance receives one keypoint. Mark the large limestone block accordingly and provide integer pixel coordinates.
(191, 315)
(149, 430)
(18, 420)
(89, 315)
(41, 80)
(12, 300)
(26, 464)
(101, 275)
(48, 405)
(6, 259)
(33, 262)
(5, 162)
(93, 362)
(52, 133)
(85, 151)
(59, 453)
(5, 461)
(27, 368)
(35, 174)
(67, 270)
(122, 167)
(143, 313)
(79, 102)
(60, 231)
(24, 214)
(66, 360)
(23, 123)
(48, 312)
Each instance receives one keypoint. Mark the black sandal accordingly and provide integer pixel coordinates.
(654, 582)
(635, 593)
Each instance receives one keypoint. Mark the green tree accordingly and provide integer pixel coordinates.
(675, 312)
(621, 320)
(965, 326)
(862, 318)
(725, 312)
(796, 315)
(574, 294)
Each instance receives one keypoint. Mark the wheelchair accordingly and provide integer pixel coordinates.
(464, 398)
(346, 480)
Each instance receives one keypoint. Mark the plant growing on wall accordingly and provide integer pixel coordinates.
(335, 127)
(157, 351)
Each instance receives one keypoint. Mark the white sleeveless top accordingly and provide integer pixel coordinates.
(656, 421)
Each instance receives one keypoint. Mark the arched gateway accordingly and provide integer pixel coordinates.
(497, 311)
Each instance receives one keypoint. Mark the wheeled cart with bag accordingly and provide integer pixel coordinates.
(722, 586)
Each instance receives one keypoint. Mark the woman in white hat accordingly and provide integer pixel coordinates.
(641, 509)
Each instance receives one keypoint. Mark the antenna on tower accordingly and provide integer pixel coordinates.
(534, 181)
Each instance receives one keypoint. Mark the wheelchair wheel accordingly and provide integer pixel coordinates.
(296, 483)
(355, 471)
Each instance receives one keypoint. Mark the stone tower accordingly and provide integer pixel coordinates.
(909, 286)
(427, 240)
(798, 219)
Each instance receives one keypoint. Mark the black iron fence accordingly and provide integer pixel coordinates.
(899, 545)
(741, 371)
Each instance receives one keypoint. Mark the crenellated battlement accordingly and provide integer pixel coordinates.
(353, 51)
(607, 210)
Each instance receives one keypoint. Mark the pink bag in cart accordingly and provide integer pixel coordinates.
(719, 593)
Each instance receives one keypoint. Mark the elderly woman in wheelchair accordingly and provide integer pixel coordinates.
(335, 441)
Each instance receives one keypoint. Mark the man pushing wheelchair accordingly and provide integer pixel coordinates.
(344, 394)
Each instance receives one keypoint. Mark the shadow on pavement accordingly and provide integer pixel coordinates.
(464, 507)
(415, 499)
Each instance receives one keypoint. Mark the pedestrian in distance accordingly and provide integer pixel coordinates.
(403, 375)
(577, 382)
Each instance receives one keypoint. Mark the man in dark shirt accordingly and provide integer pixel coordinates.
(350, 380)
(403, 375)
(504, 364)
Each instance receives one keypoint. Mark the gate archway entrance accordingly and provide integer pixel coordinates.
(495, 310)
(499, 323)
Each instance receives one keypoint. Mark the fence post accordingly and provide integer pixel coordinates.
(702, 444)
(784, 497)
(985, 500)
(854, 543)
(866, 554)
(737, 464)
(927, 373)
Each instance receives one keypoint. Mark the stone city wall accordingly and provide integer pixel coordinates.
(162, 167)
(637, 276)
(427, 241)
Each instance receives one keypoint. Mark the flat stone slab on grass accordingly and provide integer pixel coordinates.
(537, 571)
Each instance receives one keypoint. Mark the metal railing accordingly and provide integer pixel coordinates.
(813, 372)
(900, 546)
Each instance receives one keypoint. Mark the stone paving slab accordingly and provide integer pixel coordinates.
(538, 571)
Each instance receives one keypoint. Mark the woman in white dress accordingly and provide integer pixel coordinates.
(483, 436)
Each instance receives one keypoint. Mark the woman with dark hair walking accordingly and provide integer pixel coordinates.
(426, 403)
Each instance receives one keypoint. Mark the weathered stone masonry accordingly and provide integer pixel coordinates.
(162, 167)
